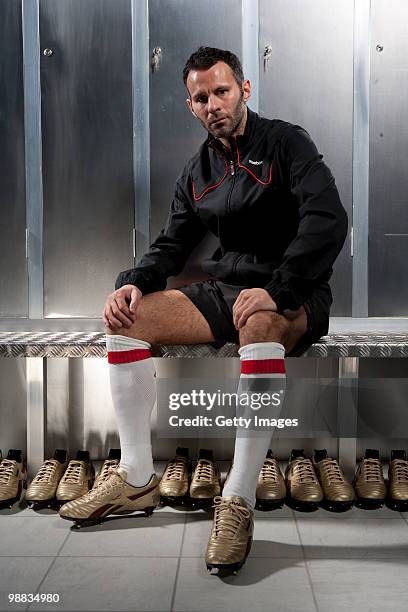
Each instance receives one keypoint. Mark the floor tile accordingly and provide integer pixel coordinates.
(354, 538)
(262, 584)
(111, 584)
(134, 536)
(379, 514)
(28, 537)
(363, 585)
(275, 539)
(20, 575)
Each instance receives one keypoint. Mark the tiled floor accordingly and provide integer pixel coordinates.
(322, 562)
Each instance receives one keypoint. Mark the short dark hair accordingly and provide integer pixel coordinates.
(205, 57)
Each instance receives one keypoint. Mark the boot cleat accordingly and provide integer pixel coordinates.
(271, 489)
(369, 481)
(113, 495)
(206, 481)
(398, 481)
(303, 488)
(338, 493)
(41, 492)
(13, 478)
(78, 478)
(174, 483)
(231, 535)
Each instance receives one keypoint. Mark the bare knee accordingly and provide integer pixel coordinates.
(140, 329)
(263, 326)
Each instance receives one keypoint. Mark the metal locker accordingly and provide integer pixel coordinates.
(87, 140)
(388, 212)
(13, 279)
(175, 135)
(306, 78)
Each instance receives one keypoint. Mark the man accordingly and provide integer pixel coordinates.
(262, 188)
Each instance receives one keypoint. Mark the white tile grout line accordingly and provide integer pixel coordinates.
(173, 595)
(306, 566)
(49, 568)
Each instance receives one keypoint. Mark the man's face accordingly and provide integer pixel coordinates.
(217, 100)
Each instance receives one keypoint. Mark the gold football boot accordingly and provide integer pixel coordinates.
(205, 483)
(369, 481)
(270, 489)
(398, 481)
(43, 487)
(77, 479)
(174, 483)
(13, 476)
(231, 535)
(111, 462)
(304, 490)
(113, 495)
(338, 493)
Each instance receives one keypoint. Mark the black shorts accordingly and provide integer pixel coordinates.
(215, 299)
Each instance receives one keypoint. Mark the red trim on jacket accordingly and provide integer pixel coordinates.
(250, 171)
(207, 189)
(263, 366)
(128, 356)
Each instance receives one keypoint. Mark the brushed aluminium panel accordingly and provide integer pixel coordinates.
(175, 135)
(308, 80)
(388, 216)
(86, 87)
(13, 277)
(13, 412)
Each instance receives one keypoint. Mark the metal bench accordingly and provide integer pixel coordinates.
(386, 338)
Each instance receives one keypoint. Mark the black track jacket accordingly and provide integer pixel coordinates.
(271, 201)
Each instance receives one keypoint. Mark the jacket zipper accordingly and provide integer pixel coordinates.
(233, 174)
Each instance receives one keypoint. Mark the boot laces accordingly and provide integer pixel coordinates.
(75, 472)
(401, 470)
(104, 487)
(332, 470)
(205, 470)
(228, 517)
(269, 470)
(7, 468)
(47, 471)
(372, 470)
(175, 469)
(104, 473)
(304, 471)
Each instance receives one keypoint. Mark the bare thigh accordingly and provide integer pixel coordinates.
(267, 326)
(167, 317)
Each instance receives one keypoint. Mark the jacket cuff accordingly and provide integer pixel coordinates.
(281, 295)
(130, 277)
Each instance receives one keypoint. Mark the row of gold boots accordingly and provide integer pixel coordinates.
(180, 485)
(61, 479)
(13, 477)
(370, 486)
(307, 484)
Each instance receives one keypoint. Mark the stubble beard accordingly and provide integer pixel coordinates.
(237, 118)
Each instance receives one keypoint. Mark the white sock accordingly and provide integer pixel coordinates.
(133, 389)
(258, 360)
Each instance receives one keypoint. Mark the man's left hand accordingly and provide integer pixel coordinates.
(248, 302)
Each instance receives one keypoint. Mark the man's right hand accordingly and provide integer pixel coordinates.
(120, 307)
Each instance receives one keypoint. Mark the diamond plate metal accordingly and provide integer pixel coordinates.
(92, 344)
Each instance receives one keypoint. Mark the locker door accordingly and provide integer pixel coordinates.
(175, 135)
(13, 277)
(308, 80)
(87, 132)
(388, 213)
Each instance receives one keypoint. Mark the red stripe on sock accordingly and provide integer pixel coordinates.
(263, 366)
(128, 356)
